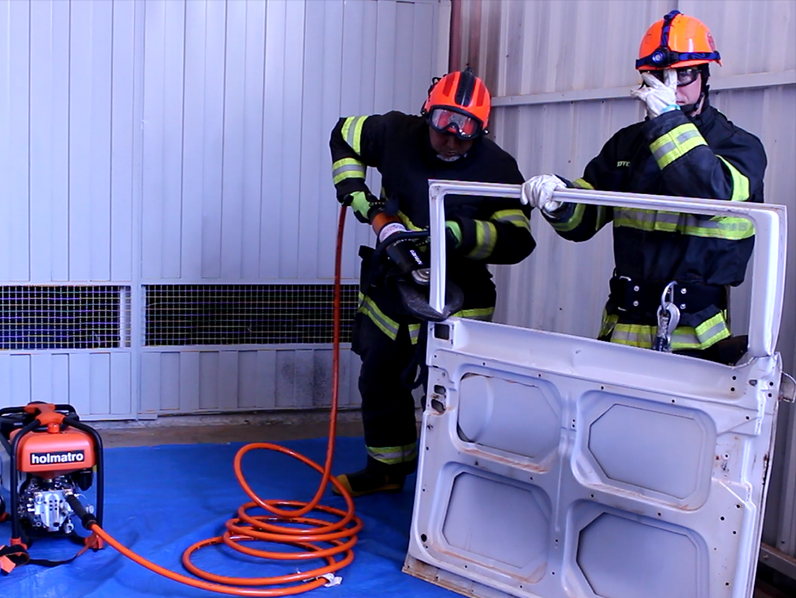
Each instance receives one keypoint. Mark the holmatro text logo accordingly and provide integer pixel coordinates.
(57, 457)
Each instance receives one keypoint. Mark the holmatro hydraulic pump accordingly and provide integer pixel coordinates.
(49, 457)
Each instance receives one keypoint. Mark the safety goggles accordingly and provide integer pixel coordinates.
(685, 76)
(450, 121)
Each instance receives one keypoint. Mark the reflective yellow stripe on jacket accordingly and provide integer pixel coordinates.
(676, 143)
(352, 132)
(485, 239)
(348, 168)
(577, 217)
(514, 216)
(740, 182)
(729, 228)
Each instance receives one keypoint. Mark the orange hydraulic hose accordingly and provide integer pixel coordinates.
(319, 538)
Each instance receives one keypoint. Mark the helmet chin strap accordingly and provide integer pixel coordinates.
(689, 109)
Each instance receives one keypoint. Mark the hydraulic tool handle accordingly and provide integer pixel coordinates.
(419, 275)
(395, 237)
(768, 259)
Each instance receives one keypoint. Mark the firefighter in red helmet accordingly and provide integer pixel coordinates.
(445, 142)
(684, 147)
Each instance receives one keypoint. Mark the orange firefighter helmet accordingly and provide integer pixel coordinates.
(676, 41)
(459, 103)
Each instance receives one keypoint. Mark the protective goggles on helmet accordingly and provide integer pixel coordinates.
(445, 120)
(685, 76)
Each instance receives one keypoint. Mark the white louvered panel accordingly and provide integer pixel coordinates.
(14, 141)
(90, 31)
(240, 380)
(49, 141)
(162, 191)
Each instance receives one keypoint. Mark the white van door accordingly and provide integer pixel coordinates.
(554, 466)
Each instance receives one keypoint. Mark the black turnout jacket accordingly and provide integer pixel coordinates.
(705, 156)
(493, 230)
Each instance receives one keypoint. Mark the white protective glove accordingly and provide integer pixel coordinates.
(537, 192)
(659, 96)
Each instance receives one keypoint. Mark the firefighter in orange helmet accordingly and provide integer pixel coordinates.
(687, 148)
(445, 142)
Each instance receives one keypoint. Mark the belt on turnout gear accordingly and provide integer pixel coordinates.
(635, 296)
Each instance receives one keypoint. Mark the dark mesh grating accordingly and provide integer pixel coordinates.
(245, 314)
(64, 317)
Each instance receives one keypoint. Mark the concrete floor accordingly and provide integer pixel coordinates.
(204, 429)
(273, 427)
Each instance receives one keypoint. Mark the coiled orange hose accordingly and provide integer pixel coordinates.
(287, 523)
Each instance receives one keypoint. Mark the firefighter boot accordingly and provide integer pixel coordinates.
(369, 481)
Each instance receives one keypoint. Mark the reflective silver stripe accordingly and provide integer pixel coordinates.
(725, 227)
(352, 131)
(348, 168)
(676, 143)
(414, 333)
(486, 237)
(387, 325)
(393, 455)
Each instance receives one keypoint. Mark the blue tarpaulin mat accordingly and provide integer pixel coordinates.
(161, 499)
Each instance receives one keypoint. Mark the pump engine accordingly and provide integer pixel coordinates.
(47, 455)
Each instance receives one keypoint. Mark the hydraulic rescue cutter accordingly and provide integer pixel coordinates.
(49, 457)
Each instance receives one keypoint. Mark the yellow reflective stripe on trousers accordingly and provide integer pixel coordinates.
(726, 227)
(684, 337)
(393, 455)
(347, 168)
(480, 313)
(387, 325)
(676, 143)
(740, 183)
(515, 217)
(352, 131)
(485, 239)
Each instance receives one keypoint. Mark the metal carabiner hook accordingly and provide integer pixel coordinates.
(668, 318)
(667, 296)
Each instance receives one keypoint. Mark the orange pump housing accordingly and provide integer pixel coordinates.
(54, 452)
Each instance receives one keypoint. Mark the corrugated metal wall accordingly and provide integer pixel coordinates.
(561, 71)
(175, 141)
